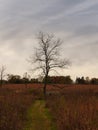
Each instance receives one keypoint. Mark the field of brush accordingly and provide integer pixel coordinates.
(73, 107)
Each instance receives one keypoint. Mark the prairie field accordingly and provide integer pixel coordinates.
(71, 107)
(76, 108)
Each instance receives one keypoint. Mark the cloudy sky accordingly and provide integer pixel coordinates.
(74, 21)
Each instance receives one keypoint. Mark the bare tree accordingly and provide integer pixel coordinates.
(2, 74)
(26, 78)
(47, 56)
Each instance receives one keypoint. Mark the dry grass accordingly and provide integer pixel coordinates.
(72, 107)
(76, 108)
(13, 108)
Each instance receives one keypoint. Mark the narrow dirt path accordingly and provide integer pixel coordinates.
(39, 117)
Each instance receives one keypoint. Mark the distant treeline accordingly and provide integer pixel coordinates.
(87, 80)
(17, 79)
(68, 80)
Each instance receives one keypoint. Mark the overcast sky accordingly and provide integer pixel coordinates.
(74, 21)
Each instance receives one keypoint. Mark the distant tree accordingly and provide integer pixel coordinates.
(33, 80)
(87, 80)
(68, 80)
(60, 79)
(26, 78)
(80, 80)
(83, 80)
(2, 74)
(77, 80)
(14, 79)
(47, 56)
(94, 81)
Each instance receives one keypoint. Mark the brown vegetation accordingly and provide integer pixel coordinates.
(76, 108)
(13, 108)
(73, 107)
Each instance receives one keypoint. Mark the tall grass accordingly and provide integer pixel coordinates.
(75, 110)
(13, 108)
(72, 109)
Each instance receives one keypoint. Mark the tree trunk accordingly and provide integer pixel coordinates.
(45, 86)
(1, 82)
(44, 90)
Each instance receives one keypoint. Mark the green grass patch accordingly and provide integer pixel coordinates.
(39, 117)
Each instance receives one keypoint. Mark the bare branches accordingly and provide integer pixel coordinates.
(2, 71)
(2, 74)
(60, 63)
(47, 55)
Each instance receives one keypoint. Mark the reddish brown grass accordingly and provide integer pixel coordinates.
(13, 108)
(75, 108)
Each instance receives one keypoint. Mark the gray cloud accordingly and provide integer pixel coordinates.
(76, 22)
(26, 16)
(88, 30)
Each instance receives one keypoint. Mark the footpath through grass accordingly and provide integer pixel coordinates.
(39, 117)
